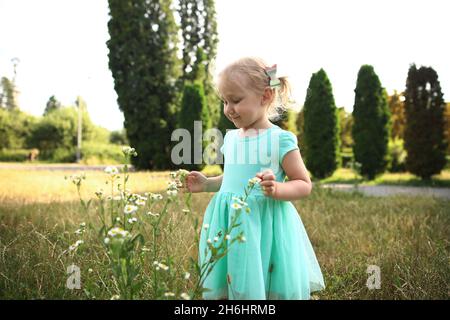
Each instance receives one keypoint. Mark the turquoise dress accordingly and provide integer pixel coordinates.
(276, 260)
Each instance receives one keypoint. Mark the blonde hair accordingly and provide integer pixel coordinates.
(253, 70)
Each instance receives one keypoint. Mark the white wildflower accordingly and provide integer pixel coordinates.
(206, 226)
(128, 151)
(169, 294)
(172, 185)
(107, 240)
(216, 239)
(172, 192)
(118, 232)
(187, 275)
(130, 209)
(156, 196)
(185, 296)
(112, 171)
(140, 202)
(132, 220)
(182, 173)
(254, 181)
(76, 245)
(236, 206)
(152, 214)
(240, 201)
(115, 297)
(227, 237)
(163, 266)
(76, 178)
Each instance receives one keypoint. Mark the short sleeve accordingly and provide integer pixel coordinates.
(288, 142)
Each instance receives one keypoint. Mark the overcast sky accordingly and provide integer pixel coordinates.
(62, 49)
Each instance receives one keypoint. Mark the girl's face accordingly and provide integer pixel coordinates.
(243, 107)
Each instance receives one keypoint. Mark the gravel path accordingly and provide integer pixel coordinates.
(387, 190)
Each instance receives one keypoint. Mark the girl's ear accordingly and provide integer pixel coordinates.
(267, 96)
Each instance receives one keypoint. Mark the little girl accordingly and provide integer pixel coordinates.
(275, 260)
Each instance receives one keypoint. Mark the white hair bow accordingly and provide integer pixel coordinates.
(272, 74)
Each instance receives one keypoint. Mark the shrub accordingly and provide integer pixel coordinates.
(101, 153)
(396, 155)
(15, 129)
(119, 137)
(14, 155)
(56, 134)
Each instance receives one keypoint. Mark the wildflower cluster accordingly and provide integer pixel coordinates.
(79, 232)
(125, 218)
(76, 179)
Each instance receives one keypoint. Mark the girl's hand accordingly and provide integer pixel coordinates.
(196, 182)
(268, 183)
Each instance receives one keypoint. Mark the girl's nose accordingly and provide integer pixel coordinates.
(230, 111)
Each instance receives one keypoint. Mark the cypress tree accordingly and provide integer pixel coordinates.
(191, 27)
(8, 95)
(300, 126)
(371, 125)
(194, 108)
(321, 127)
(447, 126)
(425, 141)
(144, 65)
(199, 33)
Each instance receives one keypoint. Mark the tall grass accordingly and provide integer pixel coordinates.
(408, 238)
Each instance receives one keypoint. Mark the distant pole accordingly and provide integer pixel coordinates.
(79, 130)
(15, 61)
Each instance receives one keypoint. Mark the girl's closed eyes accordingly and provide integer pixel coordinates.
(234, 101)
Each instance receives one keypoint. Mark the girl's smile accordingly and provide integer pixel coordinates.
(242, 106)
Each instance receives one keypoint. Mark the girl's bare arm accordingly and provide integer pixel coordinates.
(213, 184)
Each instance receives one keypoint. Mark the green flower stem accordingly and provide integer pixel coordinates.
(213, 260)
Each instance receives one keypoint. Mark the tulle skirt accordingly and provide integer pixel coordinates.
(274, 261)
